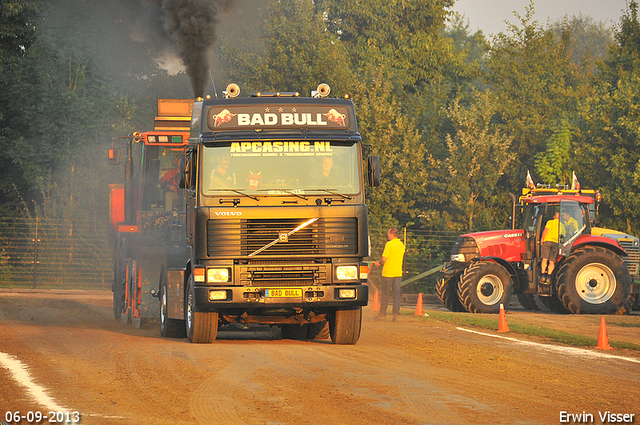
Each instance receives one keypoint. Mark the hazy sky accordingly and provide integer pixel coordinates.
(489, 15)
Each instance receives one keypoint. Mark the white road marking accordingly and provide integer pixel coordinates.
(557, 348)
(22, 376)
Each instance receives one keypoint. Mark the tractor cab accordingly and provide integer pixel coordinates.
(573, 222)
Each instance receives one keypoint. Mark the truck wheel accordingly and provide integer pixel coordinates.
(593, 280)
(345, 325)
(448, 294)
(484, 286)
(318, 330)
(119, 280)
(201, 326)
(169, 328)
(296, 331)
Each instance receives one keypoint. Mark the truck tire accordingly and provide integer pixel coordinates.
(169, 328)
(318, 330)
(345, 325)
(120, 262)
(297, 332)
(484, 286)
(593, 280)
(201, 326)
(448, 294)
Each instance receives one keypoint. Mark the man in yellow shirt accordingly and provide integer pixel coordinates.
(392, 267)
(549, 249)
(570, 224)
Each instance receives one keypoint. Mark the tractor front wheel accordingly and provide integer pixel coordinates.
(484, 286)
(447, 290)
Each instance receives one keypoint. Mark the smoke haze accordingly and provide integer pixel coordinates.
(191, 24)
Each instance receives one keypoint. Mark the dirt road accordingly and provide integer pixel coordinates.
(415, 371)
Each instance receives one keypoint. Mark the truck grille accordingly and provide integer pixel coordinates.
(287, 275)
(332, 236)
(632, 260)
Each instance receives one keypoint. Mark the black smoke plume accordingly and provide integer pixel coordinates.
(191, 24)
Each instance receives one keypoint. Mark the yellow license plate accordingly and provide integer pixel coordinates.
(283, 293)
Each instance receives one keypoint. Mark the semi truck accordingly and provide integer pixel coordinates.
(275, 222)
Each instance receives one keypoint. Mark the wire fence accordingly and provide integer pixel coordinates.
(64, 254)
(424, 250)
(54, 254)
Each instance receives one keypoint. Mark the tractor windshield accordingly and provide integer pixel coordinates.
(574, 220)
(281, 167)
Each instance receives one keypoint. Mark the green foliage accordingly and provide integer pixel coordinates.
(611, 130)
(536, 85)
(17, 28)
(478, 155)
(554, 165)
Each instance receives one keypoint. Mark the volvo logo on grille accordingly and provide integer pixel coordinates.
(283, 237)
(227, 213)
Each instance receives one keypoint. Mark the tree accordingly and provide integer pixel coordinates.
(554, 166)
(17, 28)
(478, 155)
(610, 129)
(536, 85)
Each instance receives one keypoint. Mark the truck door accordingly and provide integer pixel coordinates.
(574, 222)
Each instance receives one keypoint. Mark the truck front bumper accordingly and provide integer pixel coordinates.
(217, 298)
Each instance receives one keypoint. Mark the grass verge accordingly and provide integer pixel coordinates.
(561, 337)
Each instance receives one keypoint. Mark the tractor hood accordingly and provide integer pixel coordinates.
(505, 244)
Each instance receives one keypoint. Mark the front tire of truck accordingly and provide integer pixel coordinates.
(169, 328)
(483, 286)
(201, 326)
(593, 280)
(345, 325)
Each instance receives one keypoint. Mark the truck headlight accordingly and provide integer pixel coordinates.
(217, 275)
(458, 257)
(347, 272)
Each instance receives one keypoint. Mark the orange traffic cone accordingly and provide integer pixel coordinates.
(419, 311)
(502, 321)
(376, 302)
(603, 339)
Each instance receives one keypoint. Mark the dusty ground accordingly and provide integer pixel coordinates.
(415, 371)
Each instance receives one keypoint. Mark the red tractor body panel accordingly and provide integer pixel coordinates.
(506, 244)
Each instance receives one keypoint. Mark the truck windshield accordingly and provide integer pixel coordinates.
(281, 167)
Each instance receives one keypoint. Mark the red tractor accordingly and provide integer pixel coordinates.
(591, 273)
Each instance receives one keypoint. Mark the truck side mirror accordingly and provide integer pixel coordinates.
(114, 156)
(373, 171)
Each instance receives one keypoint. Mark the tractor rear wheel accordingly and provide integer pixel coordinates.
(593, 280)
(447, 291)
(528, 302)
(484, 286)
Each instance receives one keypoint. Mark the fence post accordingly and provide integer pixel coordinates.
(35, 255)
